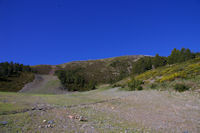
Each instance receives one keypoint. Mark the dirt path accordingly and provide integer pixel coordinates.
(44, 84)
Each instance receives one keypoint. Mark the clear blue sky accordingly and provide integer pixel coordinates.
(58, 31)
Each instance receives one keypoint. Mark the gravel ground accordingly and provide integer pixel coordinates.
(111, 111)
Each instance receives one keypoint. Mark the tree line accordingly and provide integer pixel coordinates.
(8, 69)
(73, 80)
(176, 56)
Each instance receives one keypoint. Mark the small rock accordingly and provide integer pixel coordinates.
(81, 118)
(44, 121)
(50, 122)
(3, 122)
(49, 125)
(71, 117)
(33, 108)
(42, 126)
(76, 117)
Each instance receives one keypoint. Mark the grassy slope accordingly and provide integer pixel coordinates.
(187, 73)
(104, 70)
(14, 84)
(42, 69)
(187, 69)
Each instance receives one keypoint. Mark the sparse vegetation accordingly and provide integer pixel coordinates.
(181, 87)
(16, 83)
(13, 76)
(160, 72)
(187, 69)
(42, 69)
(103, 71)
(147, 63)
(153, 86)
(104, 107)
(142, 65)
(135, 85)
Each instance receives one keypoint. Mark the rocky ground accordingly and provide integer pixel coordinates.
(101, 111)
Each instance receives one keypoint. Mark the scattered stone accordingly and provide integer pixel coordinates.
(44, 121)
(50, 122)
(33, 108)
(76, 117)
(71, 116)
(3, 122)
(49, 125)
(81, 118)
(40, 108)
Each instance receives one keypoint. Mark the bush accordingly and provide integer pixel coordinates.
(173, 76)
(139, 88)
(181, 87)
(153, 86)
(135, 85)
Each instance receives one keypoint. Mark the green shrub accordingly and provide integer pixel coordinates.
(139, 88)
(153, 86)
(181, 87)
(115, 85)
(118, 85)
(135, 84)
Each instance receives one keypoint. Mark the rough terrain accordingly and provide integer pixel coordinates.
(44, 84)
(102, 110)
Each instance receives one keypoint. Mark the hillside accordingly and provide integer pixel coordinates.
(187, 73)
(188, 69)
(101, 71)
(16, 83)
(104, 70)
(13, 76)
(155, 108)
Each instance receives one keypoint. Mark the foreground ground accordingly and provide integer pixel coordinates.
(102, 110)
